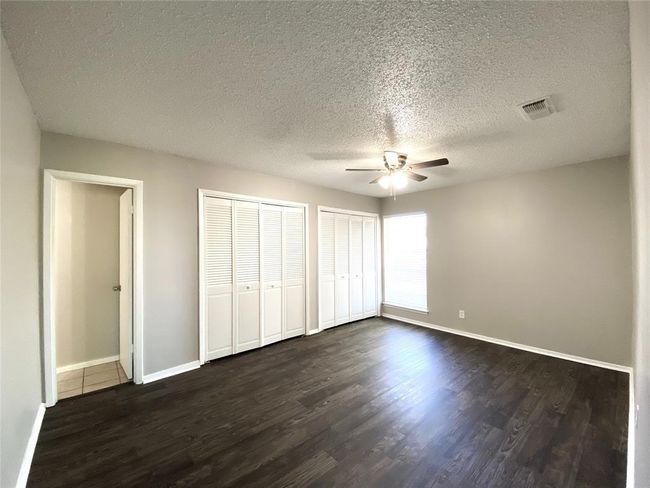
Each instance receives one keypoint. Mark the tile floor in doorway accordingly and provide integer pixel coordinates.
(85, 380)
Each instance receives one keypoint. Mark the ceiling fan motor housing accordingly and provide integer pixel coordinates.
(394, 160)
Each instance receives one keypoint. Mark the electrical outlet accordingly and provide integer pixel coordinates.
(461, 314)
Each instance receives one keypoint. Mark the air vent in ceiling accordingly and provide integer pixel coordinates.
(536, 109)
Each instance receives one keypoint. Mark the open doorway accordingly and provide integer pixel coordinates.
(92, 283)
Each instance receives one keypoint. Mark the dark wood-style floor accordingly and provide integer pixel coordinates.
(375, 403)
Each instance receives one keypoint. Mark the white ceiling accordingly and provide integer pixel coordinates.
(295, 88)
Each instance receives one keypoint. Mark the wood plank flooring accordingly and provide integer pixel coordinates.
(375, 403)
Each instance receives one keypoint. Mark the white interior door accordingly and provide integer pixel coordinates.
(294, 272)
(126, 282)
(342, 268)
(370, 298)
(271, 272)
(247, 275)
(218, 225)
(326, 269)
(356, 268)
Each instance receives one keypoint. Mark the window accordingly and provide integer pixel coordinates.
(405, 261)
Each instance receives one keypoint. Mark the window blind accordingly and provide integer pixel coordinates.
(405, 261)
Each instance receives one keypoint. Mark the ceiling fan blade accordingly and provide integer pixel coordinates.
(415, 176)
(430, 164)
(364, 169)
(376, 179)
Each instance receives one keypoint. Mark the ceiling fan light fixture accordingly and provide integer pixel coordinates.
(385, 182)
(391, 158)
(396, 173)
(400, 180)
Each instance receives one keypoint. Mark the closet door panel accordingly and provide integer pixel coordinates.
(218, 264)
(272, 314)
(248, 317)
(356, 268)
(220, 324)
(294, 271)
(247, 275)
(370, 297)
(342, 268)
(295, 311)
(342, 299)
(327, 271)
(272, 265)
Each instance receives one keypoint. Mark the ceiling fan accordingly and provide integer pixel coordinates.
(397, 172)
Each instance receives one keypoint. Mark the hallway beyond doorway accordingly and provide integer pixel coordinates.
(92, 378)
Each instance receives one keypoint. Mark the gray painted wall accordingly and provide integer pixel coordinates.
(540, 258)
(86, 265)
(19, 271)
(171, 229)
(640, 162)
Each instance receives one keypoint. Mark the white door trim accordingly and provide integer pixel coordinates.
(202, 192)
(378, 257)
(50, 177)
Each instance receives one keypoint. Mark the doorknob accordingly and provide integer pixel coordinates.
(117, 288)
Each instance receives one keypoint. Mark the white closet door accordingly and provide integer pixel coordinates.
(326, 269)
(370, 267)
(271, 273)
(356, 268)
(218, 276)
(294, 272)
(247, 275)
(342, 268)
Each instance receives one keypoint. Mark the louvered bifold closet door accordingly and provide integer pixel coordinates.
(356, 268)
(218, 264)
(326, 269)
(370, 295)
(272, 272)
(342, 268)
(294, 272)
(247, 275)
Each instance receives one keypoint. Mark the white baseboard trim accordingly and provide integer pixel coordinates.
(25, 466)
(631, 436)
(523, 347)
(166, 373)
(313, 331)
(87, 364)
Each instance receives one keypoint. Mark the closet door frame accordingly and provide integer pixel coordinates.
(201, 194)
(321, 209)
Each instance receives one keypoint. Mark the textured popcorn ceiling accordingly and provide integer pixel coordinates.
(295, 88)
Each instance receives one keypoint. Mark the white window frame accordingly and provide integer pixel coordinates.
(424, 309)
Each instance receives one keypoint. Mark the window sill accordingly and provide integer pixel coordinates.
(423, 311)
